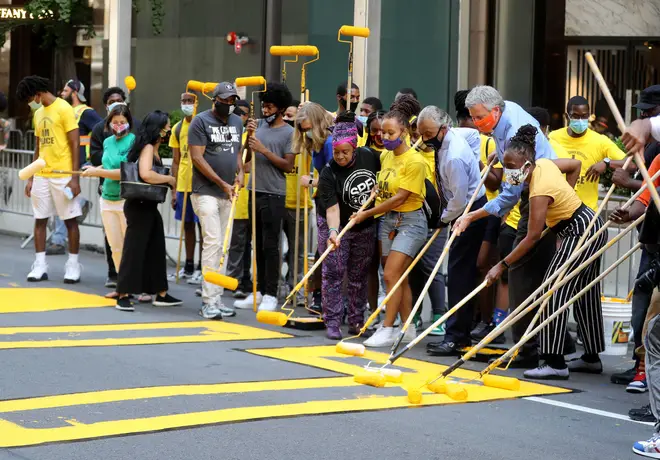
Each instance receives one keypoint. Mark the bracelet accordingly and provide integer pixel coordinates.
(505, 264)
(311, 181)
(332, 229)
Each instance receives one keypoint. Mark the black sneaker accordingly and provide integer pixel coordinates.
(166, 301)
(625, 377)
(124, 304)
(643, 414)
(480, 331)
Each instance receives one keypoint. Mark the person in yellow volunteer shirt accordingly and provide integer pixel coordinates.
(240, 249)
(182, 171)
(53, 193)
(403, 225)
(596, 151)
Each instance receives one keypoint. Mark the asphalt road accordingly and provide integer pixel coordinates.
(286, 406)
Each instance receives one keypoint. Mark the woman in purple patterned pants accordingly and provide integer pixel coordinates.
(344, 185)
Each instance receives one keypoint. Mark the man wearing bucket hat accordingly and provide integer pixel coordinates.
(214, 143)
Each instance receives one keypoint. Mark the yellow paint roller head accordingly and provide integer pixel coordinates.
(194, 85)
(438, 387)
(354, 31)
(208, 87)
(278, 50)
(219, 279)
(130, 83)
(371, 378)
(504, 383)
(32, 169)
(274, 318)
(414, 396)
(250, 81)
(353, 349)
(391, 375)
(296, 50)
(456, 392)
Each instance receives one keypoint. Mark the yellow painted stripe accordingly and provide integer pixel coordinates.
(23, 300)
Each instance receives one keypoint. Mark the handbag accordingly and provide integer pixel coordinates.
(132, 187)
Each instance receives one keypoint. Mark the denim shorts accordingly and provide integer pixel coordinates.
(411, 232)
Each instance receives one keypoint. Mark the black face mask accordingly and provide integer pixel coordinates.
(271, 118)
(221, 109)
(289, 122)
(353, 105)
(434, 142)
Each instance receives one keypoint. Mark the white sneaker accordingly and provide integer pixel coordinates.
(196, 278)
(269, 303)
(38, 272)
(383, 337)
(72, 272)
(182, 275)
(225, 311)
(246, 303)
(649, 449)
(410, 334)
(210, 311)
(545, 372)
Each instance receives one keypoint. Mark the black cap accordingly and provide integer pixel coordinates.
(649, 98)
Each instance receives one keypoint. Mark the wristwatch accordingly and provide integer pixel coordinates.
(311, 181)
(607, 162)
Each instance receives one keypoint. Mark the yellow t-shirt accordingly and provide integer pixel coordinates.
(184, 175)
(406, 171)
(488, 147)
(548, 180)
(51, 126)
(589, 149)
(292, 179)
(242, 201)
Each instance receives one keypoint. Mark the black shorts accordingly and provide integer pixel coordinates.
(505, 245)
(492, 232)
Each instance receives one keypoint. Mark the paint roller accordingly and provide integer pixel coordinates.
(254, 81)
(33, 168)
(295, 50)
(620, 123)
(452, 390)
(371, 379)
(280, 317)
(130, 83)
(391, 375)
(350, 31)
(194, 85)
(558, 312)
(438, 264)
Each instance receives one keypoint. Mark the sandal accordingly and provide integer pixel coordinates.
(112, 295)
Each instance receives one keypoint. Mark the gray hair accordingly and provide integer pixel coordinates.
(437, 115)
(488, 96)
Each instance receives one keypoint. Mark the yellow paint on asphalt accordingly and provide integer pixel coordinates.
(359, 398)
(210, 331)
(25, 300)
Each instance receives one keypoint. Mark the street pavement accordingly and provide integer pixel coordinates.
(163, 383)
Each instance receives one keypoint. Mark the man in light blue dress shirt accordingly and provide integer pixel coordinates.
(502, 119)
(457, 178)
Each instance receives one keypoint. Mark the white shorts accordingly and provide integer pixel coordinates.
(48, 199)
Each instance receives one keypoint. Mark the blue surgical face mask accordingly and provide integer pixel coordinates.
(363, 120)
(34, 105)
(309, 134)
(187, 109)
(578, 126)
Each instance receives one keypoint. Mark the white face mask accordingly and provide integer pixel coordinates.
(187, 109)
(517, 176)
(34, 105)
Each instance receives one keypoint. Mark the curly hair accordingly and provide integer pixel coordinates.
(277, 94)
(405, 110)
(113, 90)
(524, 142)
(30, 86)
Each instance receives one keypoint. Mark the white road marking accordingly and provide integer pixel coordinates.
(588, 410)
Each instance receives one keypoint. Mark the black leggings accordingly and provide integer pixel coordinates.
(143, 265)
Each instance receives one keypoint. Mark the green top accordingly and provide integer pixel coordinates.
(115, 152)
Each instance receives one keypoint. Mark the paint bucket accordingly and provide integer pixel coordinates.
(617, 314)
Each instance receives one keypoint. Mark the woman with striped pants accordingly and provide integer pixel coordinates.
(554, 203)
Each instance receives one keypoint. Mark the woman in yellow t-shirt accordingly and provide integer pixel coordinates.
(553, 202)
(403, 225)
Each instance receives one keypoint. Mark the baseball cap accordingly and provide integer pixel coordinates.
(649, 98)
(225, 90)
(78, 87)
